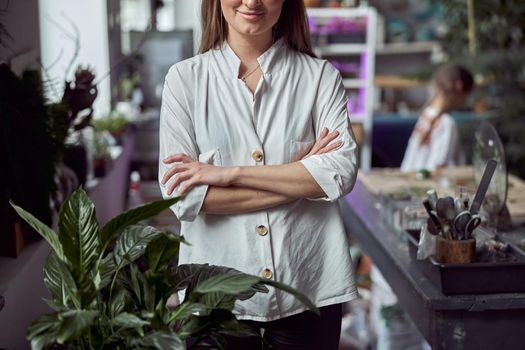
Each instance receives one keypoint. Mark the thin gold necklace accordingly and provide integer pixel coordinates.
(243, 78)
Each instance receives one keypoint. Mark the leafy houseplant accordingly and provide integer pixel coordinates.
(491, 42)
(26, 146)
(117, 298)
(115, 123)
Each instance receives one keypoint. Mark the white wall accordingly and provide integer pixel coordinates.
(187, 16)
(57, 48)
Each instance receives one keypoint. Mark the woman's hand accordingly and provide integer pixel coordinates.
(323, 145)
(192, 173)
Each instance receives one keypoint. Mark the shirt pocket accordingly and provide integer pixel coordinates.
(212, 157)
(299, 149)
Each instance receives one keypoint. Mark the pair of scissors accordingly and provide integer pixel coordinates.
(466, 222)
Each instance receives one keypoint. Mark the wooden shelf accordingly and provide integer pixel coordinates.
(340, 49)
(406, 48)
(392, 81)
(354, 83)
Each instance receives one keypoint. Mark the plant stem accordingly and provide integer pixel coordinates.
(471, 28)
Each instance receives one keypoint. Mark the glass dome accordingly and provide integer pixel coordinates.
(488, 145)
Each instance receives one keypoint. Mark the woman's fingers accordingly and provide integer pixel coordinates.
(331, 147)
(323, 141)
(178, 180)
(180, 157)
(187, 185)
(177, 168)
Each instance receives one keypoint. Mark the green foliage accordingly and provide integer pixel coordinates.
(23, 117)
(499, 59)
(113, 123)
(117, 298)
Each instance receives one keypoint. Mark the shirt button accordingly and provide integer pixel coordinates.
(257, 155)
(262, 230)
(267, 273)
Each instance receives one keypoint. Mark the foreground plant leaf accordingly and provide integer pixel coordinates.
(133, 216)
(162, 341)
(45, 231)
(60, 282)
(132, 243)
(78, 228)
(162, 250)
(74, 322)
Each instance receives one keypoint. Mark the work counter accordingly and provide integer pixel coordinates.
(481, 321)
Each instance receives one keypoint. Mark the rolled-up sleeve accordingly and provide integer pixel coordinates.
(336, 171)
(177, 135)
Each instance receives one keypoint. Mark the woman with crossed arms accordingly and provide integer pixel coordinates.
(255, 136)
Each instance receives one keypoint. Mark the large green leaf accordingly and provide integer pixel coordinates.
(132, 243)
(298, 295)
(220, 292)
(60, 282)
(134, 216)
(185, 310)
(74, 322)
(213, 283)
(45, 231)
(107, 269)
(163, 250)
(218, 322)
(78, 229)
(222, 286)
(45, 324)
(162, 341)
(126, 320)
(117, 304)
(42, 341)
(230, 283)
(189, 276)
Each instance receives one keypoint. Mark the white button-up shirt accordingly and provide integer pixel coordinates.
(443, 148)
(211, 115)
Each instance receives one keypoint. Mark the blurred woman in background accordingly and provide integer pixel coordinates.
(434, 143)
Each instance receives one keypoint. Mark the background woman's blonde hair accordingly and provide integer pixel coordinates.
(292, 26)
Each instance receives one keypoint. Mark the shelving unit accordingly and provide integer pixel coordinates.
(364, 82)
(407, 48)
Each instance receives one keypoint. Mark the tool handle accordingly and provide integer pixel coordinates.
(483, 186)
(435, 220)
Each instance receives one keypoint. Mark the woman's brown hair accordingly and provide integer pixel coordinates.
(292, 26)
(450, 81)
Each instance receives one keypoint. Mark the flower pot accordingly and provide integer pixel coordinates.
(449, 251)
(12, 241)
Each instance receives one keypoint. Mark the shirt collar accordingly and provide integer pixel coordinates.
(268, 60)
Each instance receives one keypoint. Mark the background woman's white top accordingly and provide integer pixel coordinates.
(211, 115)
(443, 148)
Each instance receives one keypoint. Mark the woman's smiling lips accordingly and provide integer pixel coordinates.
(250, 16)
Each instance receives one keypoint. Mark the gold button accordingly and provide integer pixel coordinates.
(257, 155)
(267, 273)
(262, 230)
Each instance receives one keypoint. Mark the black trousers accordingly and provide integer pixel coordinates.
(304, 331)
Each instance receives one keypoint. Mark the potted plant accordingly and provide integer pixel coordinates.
(70, 116)
(115, 123)
(26, 148)
(116, 298)
(101, 154)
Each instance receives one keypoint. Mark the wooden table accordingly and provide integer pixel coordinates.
(490, 321)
